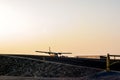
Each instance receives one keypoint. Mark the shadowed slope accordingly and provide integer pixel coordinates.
(20, 66)
(113, 75)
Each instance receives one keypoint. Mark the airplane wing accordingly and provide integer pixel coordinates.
(42, 52)
(53, 52)
(64, 53)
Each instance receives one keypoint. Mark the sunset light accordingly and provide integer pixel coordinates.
(83, 27)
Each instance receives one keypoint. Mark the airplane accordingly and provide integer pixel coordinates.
(55, 54)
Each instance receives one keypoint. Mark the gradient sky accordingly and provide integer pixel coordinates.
(79, 26)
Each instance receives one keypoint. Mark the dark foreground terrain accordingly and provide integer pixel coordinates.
(98, 76)
(29, 67)
(87, 62)
(25, 67)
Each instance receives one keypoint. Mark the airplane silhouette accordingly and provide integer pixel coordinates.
(55, 54)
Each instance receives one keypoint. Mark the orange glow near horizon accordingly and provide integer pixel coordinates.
(87, 27)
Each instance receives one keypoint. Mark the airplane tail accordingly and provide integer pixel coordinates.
(49, 49)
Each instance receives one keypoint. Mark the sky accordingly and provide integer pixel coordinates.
(83, 27)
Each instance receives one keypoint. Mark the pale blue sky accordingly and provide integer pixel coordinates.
(78, 26)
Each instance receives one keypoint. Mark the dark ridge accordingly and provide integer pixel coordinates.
(96, 63)
(12, 65)
(87, 62)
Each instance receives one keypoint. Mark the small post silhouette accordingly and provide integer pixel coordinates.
(108, 63)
